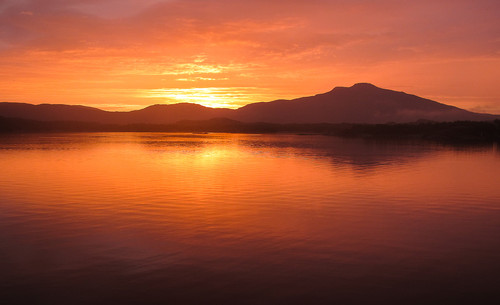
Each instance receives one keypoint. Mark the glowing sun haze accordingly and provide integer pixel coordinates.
(127, 54)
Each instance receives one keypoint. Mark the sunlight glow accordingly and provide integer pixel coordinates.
(215, 97)
(89, 52)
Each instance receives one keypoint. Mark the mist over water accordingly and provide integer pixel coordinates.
(158, 218)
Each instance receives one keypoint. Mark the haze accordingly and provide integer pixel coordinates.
(123, 55)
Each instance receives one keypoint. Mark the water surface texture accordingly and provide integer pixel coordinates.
(153, 218)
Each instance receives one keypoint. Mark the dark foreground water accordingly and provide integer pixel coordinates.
(144, 218)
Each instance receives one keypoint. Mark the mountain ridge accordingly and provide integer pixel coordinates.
(362, 103)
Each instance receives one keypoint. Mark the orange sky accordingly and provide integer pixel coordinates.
(126, 54)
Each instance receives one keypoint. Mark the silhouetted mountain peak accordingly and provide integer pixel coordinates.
(360, 103)
(359, 87)
(364, 86)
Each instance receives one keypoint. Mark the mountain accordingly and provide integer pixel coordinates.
(166, 114)
(361, 103)
(155, 114)
(52, 112)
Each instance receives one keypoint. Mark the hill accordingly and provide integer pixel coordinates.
(362, 103)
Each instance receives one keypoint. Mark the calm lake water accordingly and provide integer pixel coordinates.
(154, 218)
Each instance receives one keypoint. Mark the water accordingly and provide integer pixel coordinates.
(152, 218)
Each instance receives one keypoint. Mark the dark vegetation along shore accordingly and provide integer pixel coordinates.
(458, 131)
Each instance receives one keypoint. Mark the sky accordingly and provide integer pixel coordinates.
(128, 54)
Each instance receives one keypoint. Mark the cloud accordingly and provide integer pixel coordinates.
(294, 46)
(259, 28)
(111, 9)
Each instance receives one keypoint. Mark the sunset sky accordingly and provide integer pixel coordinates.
(127, 54)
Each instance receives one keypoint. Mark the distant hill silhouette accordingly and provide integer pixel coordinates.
(156, 114)
(362, 103)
